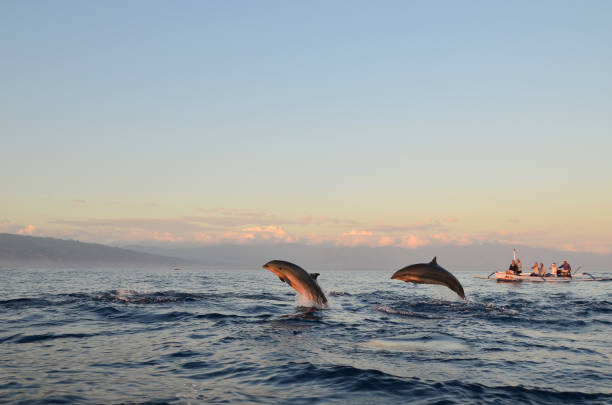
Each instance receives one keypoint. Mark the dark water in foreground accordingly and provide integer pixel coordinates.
(91, 336)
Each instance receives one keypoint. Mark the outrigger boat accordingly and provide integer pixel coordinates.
(509, 276)
(502, 276)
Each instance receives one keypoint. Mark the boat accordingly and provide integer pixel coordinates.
(502, 276)
(509, 276)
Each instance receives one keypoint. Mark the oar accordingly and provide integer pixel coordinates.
(491, 274)
(576, 273)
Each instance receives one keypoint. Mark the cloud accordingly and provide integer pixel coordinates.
(459, 240)
(268, 233)
(234, 217)
(355, 232)
(427, 224)
(386, 241)
(172, 225)
(11, 227)
(79, 201)
(412, 242)
(593, 247)
(323, 220)
(28, 230)
(234, 226)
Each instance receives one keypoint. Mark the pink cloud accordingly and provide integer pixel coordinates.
(355, 232)
(386, 241)
(586, 247)
(412, 242)
(27, 230)
(323, 220)
(460, 240)
(269, 232)
(203, 237)
(426, 224)
(234, 226)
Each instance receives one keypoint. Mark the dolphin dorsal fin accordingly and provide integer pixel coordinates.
(433, 261)
(314, 275)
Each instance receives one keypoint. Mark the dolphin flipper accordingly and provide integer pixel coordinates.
(314, 275)
(285, 280)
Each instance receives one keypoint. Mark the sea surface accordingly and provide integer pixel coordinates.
(97, 336)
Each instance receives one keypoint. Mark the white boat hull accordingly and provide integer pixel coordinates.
(503, 276)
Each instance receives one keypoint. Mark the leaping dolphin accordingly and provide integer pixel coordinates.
(301, 281)
(429, 273)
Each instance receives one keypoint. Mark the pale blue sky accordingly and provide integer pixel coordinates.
(375, 112)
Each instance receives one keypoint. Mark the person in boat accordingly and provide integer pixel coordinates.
(542, 270)
(553, 269)
(536, 270)
(565, 269)
(512, 269)
(519, 266)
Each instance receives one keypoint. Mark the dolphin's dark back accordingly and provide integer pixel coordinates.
(429, 273)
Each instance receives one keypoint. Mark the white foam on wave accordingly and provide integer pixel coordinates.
(338, 294)
(419, 343)
(302, 301)
(389, 310)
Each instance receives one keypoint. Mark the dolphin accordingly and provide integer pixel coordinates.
(301, 281)
(429, 273)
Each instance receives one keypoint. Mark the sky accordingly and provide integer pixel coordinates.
(394, 123)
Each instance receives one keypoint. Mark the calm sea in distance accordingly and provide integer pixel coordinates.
(97, 336)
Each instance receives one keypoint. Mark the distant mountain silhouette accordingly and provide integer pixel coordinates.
(31, 250)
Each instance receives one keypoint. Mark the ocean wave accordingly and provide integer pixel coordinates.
(393, 311)
(19, 338)
(21, 303)
(422, 342)
(339, 294)
(373, 385)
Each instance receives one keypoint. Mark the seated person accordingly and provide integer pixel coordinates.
(512, 269)
(566, 269)
(542, 270)
(536, 270)
(519, 266)
(553, 269)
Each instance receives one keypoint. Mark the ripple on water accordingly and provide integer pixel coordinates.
(420, 342)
